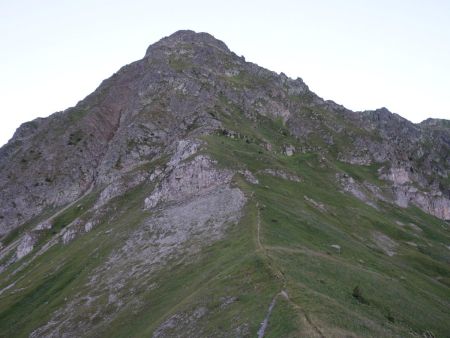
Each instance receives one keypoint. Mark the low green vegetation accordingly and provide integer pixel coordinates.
(75, 138)
(359, 288)
(73, 212)
(314, 248)
(179, 64)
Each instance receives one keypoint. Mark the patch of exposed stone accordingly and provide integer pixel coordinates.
(133, 176)
(267, 146)
(288, 150)
(45, 225)
(360, 158)
(197, 176)
(384, 243)
(184, 149)
(249, 177)
(119, 186)
(433, 202)
(376, 191)
(26, 245)
(350, 185)
(414, 227)
(281, 174)
(397, 176)
(226, 301)
(406, 193)
(336, 247)
(176, 233)
(403, 193)
(315, 204)
(183, 324)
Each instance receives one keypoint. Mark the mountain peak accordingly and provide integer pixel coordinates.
(188, 37)
(181, 197)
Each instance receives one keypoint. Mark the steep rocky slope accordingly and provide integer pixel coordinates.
(197, 194)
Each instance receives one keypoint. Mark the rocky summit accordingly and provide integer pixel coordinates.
(195, 194)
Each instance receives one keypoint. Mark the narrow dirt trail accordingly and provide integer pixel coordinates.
(314, 330)
(265, 322)
(258, 228)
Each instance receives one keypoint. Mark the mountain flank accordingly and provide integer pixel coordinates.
(195, 194)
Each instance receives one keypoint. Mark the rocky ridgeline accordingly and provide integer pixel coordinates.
(181, 90)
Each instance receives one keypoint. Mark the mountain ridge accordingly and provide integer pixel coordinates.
(185, 152)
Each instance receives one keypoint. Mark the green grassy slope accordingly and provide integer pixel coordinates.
(281, 244)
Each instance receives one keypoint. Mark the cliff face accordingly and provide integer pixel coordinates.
(169, 152)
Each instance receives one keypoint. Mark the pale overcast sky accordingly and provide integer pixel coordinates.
(362, 54)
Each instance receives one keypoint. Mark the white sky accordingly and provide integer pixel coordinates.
(360, 53)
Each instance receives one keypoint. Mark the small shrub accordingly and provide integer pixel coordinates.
(75, 138)
(390, 317)
(118, 164)
(358, 295)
